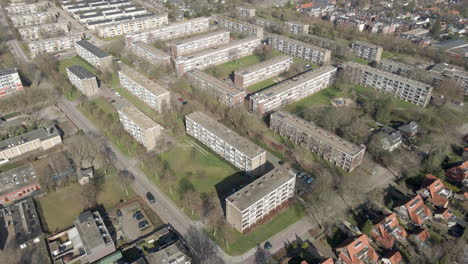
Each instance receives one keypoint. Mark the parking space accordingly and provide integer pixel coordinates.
(133, 221)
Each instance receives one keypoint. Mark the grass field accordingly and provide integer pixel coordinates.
(359, 60)
(224, 70)
(321, 98)
(65, 63)
(387, 54)
(241, 243)
(261, 85)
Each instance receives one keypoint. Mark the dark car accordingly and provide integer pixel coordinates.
(139, 217)
(137, 213)
(268, 245)
(150, 197)
(118, 213)
(142, 224)
(280, 162)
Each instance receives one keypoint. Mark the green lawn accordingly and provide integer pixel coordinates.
(321, 98)
(224, 70)
(241, 243)
(359, 60)
(261, 85)
(66, 63)
(150, 112)
(387, 54)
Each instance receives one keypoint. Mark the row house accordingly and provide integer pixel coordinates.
(435, 191)
(415, 210)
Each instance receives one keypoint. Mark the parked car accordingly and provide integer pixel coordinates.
(300, 175)
(118, 213)
(268, 245)
(309, 180)
(137, 213)
(150, 197)
(181, 100)
(139, 217)
(142, 224)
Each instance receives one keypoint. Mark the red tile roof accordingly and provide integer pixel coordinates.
(394, 257)
(306, 5)
(415, 208)
(350, 249)
(385, 228)
(458, 173)
(422, 234)
(327, 261)
(434, 185)
(444, 212)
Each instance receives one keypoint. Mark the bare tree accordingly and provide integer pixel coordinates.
(204, 250)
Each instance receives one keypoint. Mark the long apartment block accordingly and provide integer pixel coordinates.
(251, 75)
(170, 31)
(223, 92)
(83, 80)
(240, 27)
(76, 6)
(196, 43)
(36, 32)
(217, 55)
(367, 51)
(139, 23)
(242, 153)
(149, 92)
(292, 90)
(25, 9)
(246, 208)
(33, 19)
(52, 45)
(395, 67)
(10, 82)
(329, 146)
(299, 49)
(149, 53)
(140, 126)
(297, 28)
(404, 88)
(94, 55)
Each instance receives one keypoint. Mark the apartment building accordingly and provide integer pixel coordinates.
(329, 146)
(299, 49)
(149, 53)
(149, 92)
(217, 55)
(171, 31)
(434, 190)
(18, 183)
(292, 90)
(36, 32)
(239, 26)
(27, 230)
(33, 19)
(222, 91)
(245, 77)
(200, 42)
(395, 67)
(39, 139)
(386, 230)
(260, 199)
(137, 24)
(415, 210)
(242, 153)
(367, 51)
(404, 88)
(77, 6)
(94, 55)
(461, 77)
(357, 250)
(10, 82)
(52, 45)
(83, 80)
(25, 9)
(140, 126)
(297, 28)
(245, 11)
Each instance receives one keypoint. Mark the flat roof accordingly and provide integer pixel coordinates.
(292, 82)
(396, 63)
(80, 72)
(240, 22)
(312, 129)
(93, 49)
(151, 49)
(201, 36)
(174, 253)
(297, 42)
(40, 133)
(25, 220)
(142, 121)
(232, 138)
(219, 48)
(230, 89)
(258, 189)
(366, 44)
(8, 71)
(17, 178)
(90, 232)
(263, 64)
(151, 86)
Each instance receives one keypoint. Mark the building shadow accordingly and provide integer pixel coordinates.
(3, 233)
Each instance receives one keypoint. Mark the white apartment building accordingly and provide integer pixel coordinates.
(246, 208)
(53, 45)
(239, 26)
(94, 55)
(239, 151)
(24, 9)
(33, 19)
(149, 53)
(461, 77)
(139, 23)
(251, 75)
(222, 91)
(299, 49)
(367, 51)
(200, 42)
(217, 55)
(83, 80)
(292, 90)
(37, 32)
(149, 92)
(404, 88)
(10, 82)
(140, 126)
(171, 31)
(246, 11)
(297, 28)
(77, 6)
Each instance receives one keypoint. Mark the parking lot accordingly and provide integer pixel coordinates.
(133, 221)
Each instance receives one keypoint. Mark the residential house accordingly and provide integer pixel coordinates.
(458, 174)
(446, 215)
(357, 250)
(410, 130)
(421, 237)
(85, 175)
(415, 210)
(391, 139)
(393, 257)
(435, 191)
(386, 229)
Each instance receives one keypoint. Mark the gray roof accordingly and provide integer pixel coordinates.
(198, 37)
(141, 120)
(40, 133)
(412, 127)
(92, 236)
(8, 71)
(17, 178)
(25, 220)
(232, 138)
(99, 22)
(219, 84)
(80, 72)
(172, 254)
(259, 188)
(93, 49)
